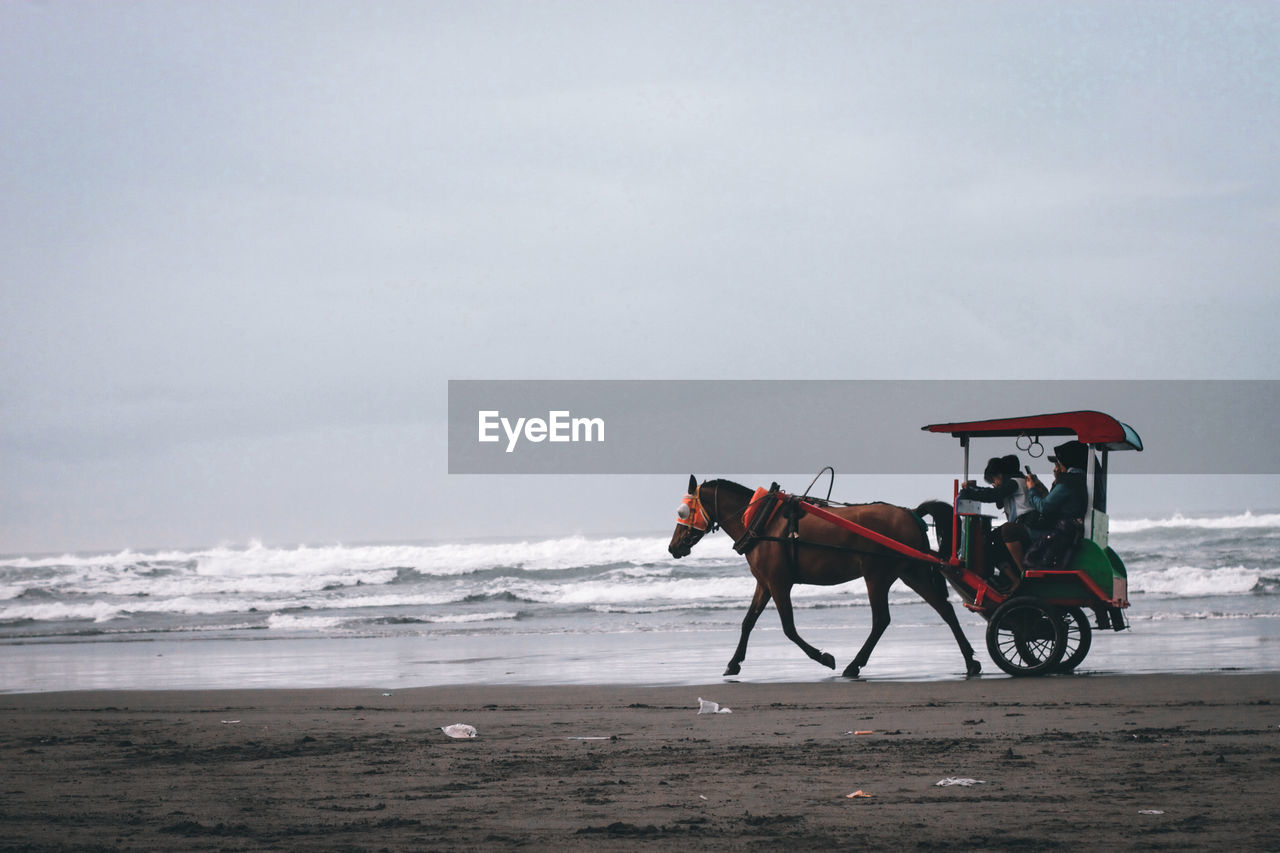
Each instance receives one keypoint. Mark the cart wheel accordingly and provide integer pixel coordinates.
(1026, 636)
(1079, 637)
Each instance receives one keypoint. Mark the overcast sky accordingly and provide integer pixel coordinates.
(244, 245)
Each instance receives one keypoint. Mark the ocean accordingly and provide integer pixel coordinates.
(1205, 595)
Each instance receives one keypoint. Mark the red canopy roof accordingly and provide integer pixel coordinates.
(1089, 427)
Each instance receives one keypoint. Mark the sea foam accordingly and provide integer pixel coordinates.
(1246, 520)
(1196, 581)
(257, 559)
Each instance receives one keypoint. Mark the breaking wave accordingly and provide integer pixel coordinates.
(1245, 520)
(554, 585)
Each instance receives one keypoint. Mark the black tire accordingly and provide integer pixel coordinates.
(1079, 638)
(1026, 636)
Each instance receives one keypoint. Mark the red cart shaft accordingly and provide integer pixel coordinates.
(879, 538)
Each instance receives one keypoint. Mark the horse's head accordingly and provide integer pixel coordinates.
(692, 522)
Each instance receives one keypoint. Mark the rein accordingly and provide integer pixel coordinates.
(713, 522)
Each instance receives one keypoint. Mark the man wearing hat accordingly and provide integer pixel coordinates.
(1069, 498)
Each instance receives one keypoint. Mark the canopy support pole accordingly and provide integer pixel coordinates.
(1090, 483)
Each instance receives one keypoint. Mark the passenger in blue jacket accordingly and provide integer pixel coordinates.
(1069, 498)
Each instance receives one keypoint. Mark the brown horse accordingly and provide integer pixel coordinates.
(720, 503)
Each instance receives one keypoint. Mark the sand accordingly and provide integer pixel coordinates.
(1186, 762)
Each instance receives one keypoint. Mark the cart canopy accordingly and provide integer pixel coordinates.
(1094, 428)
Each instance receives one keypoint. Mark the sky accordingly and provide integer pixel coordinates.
(244, 245)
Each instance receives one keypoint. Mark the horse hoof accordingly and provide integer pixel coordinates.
(851, 671)
(828, 660)
(732, 669)
(975, 668)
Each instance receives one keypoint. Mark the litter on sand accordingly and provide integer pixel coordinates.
(705, 707)
(1150, 811)
(459, 730)
(961, 781)
(857, 795)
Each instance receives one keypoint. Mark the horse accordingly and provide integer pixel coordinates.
(826, 555)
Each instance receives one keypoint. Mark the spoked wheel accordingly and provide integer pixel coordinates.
(1026, 636)
(1079, 636)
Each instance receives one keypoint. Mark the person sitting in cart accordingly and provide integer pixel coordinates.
(1068, 499)
(1008, 490)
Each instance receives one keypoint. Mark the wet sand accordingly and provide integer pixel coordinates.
(1185, 762)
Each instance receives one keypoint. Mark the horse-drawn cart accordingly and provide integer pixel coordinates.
(1041, 626)
(1036, 627)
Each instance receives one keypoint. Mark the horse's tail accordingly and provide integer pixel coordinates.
(940, 512)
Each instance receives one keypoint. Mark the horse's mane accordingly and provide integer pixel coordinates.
(731, 486)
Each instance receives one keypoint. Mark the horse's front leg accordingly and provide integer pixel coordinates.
(758, 603)
(782, 600)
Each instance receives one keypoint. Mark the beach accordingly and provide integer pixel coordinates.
(293, 698)
(1140, 762)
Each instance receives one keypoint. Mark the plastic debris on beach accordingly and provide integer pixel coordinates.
(705, 707)
(964, 782)
(1150, 811)
(858, 795)
(459, 730)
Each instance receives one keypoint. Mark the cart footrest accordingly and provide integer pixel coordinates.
(1111, 618)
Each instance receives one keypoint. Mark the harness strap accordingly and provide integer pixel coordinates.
(756, 518)
(793, 509)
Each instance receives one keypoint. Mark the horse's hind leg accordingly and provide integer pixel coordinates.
(933, 589)
(758, 603)
(782, 600)
(878, 595)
